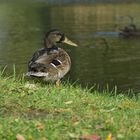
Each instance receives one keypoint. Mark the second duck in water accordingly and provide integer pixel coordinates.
(51, 62)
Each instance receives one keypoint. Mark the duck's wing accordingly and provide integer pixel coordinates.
(53, 64)
(40, 59)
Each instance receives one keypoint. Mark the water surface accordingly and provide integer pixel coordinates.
(102, 58)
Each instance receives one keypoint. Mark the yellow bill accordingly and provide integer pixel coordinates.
(67, 41)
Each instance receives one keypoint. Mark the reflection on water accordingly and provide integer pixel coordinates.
(102, 57)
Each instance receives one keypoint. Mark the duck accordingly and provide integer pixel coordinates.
(51, 62)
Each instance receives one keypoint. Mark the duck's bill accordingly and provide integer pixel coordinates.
(67, 41)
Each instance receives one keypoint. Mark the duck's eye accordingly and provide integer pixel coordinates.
(62, 37)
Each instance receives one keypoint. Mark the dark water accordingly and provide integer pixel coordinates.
(103, 58)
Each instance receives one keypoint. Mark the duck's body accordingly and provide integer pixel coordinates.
(50, 62)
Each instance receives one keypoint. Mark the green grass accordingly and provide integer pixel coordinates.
(47, 112)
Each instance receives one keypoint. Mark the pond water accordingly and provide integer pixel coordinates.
(103, 59)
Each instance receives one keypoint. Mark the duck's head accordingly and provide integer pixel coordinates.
(55, 36)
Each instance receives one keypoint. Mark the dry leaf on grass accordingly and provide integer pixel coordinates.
(40, 126)
(61, 110)
(19, 137)
(109, 136)
(68, 102)
(90, 137)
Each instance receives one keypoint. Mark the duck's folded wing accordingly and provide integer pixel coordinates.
(41, 60)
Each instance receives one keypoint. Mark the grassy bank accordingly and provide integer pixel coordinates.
(45, 112)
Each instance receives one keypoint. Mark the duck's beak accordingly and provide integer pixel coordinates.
(67, 41)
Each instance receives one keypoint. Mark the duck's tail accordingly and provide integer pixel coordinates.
(37, 74)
